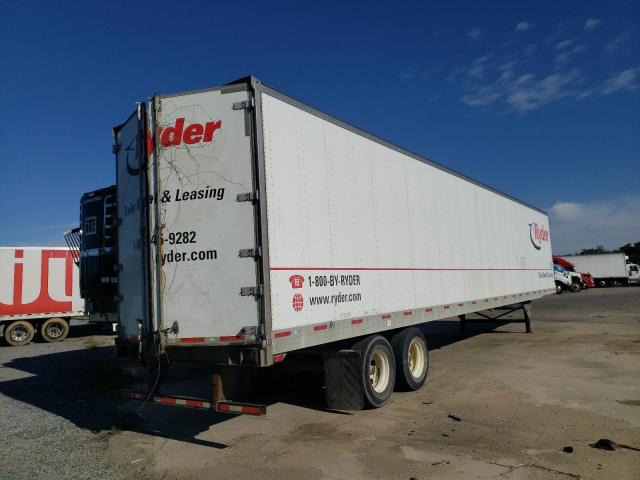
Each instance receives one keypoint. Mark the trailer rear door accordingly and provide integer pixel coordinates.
(203, 161)
(131, 179)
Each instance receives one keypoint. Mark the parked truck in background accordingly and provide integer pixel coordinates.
(251, 227)
(93, 245)
(38, 293)
(577, 281)
(562, 278)
(607, 269)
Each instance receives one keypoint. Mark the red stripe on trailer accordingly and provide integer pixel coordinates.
(166, 400)
(386, 317)
(194, 403)
(446, 306)
(319, 328)
(461, 304)
(232, 338)
(357, 321)
(411, 269)
(474, 302)
(245, 409)
(428, 310)
(279, 358)
(192, 340)
(285, 333)
(406, 313)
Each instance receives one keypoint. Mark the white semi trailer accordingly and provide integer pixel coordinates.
(251, 226)
(607, 269)
(38, 292)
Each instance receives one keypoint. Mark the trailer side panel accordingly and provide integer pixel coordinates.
(359, 231)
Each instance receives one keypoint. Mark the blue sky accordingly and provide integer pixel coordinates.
(539, 100)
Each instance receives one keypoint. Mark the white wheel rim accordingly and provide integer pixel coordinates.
(379, 370)
(54, 330)
(417, 357)
(19, 334)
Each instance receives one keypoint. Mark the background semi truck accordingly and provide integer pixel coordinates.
(38, 293)
(608, 269)
(251, 226)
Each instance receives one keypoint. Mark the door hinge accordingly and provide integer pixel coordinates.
(244, 105)
(116, 148)
(251, 291)
(248, 197)
(250, 252)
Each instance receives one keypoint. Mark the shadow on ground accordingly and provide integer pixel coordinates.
(83, 386)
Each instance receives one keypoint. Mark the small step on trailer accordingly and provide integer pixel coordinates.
(253, 229)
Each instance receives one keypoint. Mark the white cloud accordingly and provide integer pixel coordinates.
(529, 93)
(481, 97)
(566, 55)
(566, 43)
(479, 67)
(592, 23)
(522, 93)
(611, 223)
(619, 43)
(624, 80)
(475, 34)
(523, 26)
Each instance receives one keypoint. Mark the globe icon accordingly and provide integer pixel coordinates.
(297, 302)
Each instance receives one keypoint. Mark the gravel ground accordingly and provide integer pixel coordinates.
(519, 399)
(57, 414)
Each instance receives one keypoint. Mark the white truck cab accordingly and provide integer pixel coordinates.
(562, 278)
(634, 273)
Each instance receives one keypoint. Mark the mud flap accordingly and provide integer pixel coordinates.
(344, 389)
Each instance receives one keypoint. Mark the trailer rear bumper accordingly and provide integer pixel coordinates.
(222, 406)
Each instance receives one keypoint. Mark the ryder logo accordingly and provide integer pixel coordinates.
(178, 134)
(538, 234)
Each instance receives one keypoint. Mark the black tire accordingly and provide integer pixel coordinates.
(54, 329)
(574, 287)
(19, 333)
(601, 283)
(412, 358)
(378, 368)
(559, 288)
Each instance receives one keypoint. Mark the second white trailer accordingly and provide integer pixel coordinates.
(269, 227)
(606, 268)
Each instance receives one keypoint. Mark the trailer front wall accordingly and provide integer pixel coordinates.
(356, 228)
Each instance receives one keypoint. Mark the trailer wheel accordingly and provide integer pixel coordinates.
(54, 329)
(19, 333)
(602, 283)
(378, 368)
(412, 358)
